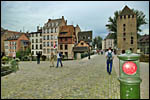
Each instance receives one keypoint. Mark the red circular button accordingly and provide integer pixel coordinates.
(129, 68)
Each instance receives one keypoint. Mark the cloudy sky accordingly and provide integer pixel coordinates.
(89, 15)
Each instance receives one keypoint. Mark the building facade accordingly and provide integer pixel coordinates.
(50, 33)
(108, 42)
(126, 31)
(143, 44)
(36, 42)
(19, 42)
(85, 36)
(81, 47)
(66, 41)
(4, 35)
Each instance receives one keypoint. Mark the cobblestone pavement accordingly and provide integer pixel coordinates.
(144, 75)
(84, 79)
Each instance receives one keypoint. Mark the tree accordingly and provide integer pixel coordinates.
(112, 26)
(97, 41)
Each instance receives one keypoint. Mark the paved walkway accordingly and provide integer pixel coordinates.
(144, 73)
(78, 79)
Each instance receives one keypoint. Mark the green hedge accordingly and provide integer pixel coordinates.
(83, 55)
(144, 58)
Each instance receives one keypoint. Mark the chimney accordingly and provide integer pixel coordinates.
(37, 28)
(49, 20)
(62, 17)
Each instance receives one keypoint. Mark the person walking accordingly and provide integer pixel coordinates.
(52, 60)
(59, 59)
(38, 57)
(109, 57)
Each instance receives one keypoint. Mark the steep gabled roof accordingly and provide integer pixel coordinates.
(127, 11)
(110, 36)
(66, 31)
(15, 36)
(144, 38)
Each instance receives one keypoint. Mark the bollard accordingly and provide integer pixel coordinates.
(129, 75)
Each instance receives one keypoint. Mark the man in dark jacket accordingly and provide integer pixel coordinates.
(38, 57)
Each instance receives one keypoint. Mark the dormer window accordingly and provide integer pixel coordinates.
(128, 16)
(132, 16)
(124, 16)
(120, 17)
(82, 43)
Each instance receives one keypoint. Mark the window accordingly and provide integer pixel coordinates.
(41, 40)
(124, 39)
(124, 25)
(66, 47)
(36, 46)
(65, 39)
(48, 44)
(120, 17)
(61, 39)
(40, 46)
(128, 16)
(40, 34)
(83, 37)
(32, 35)
(55, 30)
(48, 50)
(44, 37)
(131, 40)
(43, 44)
(124, 34)
(82, 43)
(51, 30)
(47, 37)
(61, 47)
(32, 40)
(44, 50)
(124, 16)
(52, 50)
(36, 40)
(124, 29)
(56, 43)
(52, 43)
(36, 35)
(66, 54)
(132, 16)
(52, 37)
(47, 30)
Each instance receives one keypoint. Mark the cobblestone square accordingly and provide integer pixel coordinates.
(77, 79)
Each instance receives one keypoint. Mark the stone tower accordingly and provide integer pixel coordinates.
(126, 31)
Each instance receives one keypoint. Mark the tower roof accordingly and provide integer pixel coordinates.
(127, 11)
